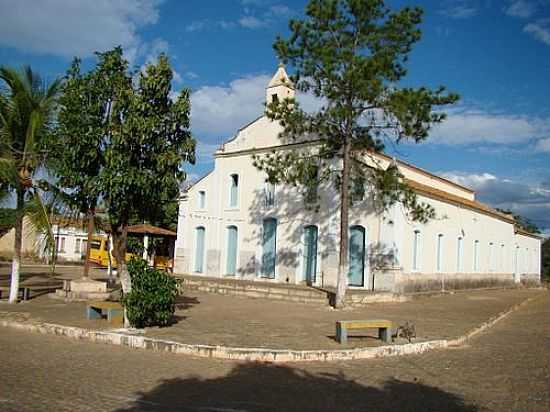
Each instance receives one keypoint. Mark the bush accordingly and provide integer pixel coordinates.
(152, 300)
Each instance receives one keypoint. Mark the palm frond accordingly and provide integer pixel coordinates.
(39, 220)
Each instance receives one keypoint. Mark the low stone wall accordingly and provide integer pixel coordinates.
(430, 282)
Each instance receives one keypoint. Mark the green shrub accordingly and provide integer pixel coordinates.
(152, 300)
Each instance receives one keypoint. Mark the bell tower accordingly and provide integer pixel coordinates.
(280, 87)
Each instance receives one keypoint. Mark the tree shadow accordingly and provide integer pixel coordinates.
(182, 303)
(262, 387)
(186, 302)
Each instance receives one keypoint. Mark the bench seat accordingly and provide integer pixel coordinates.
(25, 290)
(383, 326)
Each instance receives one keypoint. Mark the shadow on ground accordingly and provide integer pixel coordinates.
(263, 387)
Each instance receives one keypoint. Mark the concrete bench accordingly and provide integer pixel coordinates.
(383, 326)
(25, 291)
(113, 311)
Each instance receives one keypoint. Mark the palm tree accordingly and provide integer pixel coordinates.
(27, 106)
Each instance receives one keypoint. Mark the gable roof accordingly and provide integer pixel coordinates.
(458, 200)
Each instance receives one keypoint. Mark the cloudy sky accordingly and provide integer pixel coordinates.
(494, 53)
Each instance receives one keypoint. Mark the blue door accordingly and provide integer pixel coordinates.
(199, 249)
(232, 233)
(356, 256)
(269, 244)
(310, 253)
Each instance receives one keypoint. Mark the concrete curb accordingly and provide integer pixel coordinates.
(249, 354)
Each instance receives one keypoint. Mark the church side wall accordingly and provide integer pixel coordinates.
(389, 259)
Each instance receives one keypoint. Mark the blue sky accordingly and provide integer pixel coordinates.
(494, 53)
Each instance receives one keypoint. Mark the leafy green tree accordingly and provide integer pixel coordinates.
(27, 106)
(76, 155)
(7, 219)
(351, 54)
(146, 140)
(545, 260)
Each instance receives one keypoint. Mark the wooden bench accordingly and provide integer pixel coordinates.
(25, 291)
(383, 326)
(113, 311)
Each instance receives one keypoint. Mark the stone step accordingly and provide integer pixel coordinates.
(259, 291)
(73, 296)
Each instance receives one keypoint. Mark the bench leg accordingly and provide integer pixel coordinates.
(384, 334)
(92, 313)
(26, 293)
(113, 313)
(341, 334)
(116, 317)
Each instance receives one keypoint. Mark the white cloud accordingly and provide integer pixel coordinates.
(543, 145)
(520, 8)
(75, 27)
(222, 110)
(458, 9)
(466, 126)
(251, 22)
(281, 10)
(540, 30)
(531, 200)
(196, 25)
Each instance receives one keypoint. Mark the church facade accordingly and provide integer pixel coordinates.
(233, 224)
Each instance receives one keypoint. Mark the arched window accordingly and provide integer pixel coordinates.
(269, 191)
(459, 254)
(516, 261)
(476, 255)
(416, 250)
(491, 257)
(200, 233)
(234, 191)
(502, 258)
(269, 246)
(232, 246)
(439, 255)
(202, 199)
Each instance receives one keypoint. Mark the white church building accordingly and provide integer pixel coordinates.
(232, 224)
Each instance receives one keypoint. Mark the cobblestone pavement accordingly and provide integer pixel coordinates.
(242, 322)
(504, 369)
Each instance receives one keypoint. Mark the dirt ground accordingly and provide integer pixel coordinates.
(506, 368)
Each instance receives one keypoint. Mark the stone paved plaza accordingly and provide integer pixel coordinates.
(212, 319)
(506, 368)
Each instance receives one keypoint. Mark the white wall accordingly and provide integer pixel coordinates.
(389, 236)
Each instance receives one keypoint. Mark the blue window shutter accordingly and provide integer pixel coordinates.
(232, 238)
(356, 256)
(269, 243)
(199, 249)
(310, 253)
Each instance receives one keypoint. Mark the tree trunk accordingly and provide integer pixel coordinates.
(16, 262)
(90, 214)
(120, 236)
(342, 282)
